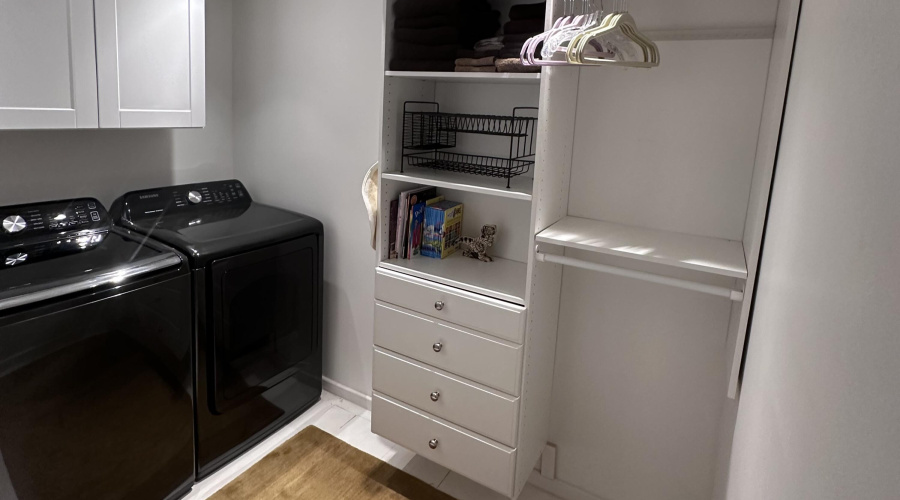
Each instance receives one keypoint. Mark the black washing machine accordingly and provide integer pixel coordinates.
(95, 359)
(257, 300)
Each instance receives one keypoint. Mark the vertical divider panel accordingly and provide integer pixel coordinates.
(556, 127)
(767, 149)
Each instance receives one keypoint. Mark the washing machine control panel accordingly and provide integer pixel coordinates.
(154, 203)
(42, 222)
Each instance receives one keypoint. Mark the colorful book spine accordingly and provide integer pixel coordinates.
(443, 225)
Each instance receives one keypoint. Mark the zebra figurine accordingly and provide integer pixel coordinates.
(477, 247)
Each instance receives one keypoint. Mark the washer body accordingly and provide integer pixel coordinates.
(257, 274)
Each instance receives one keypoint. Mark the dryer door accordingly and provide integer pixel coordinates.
(265, 319)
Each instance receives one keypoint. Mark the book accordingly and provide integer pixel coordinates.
(407, 200)
(392, 230)
(442, 229)
(417, 224)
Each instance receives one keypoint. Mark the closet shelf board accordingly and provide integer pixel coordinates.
(437, 76)
(710, 255)
(520, 187)
(502, 279)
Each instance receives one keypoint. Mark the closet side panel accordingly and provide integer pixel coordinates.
(559, 94)
(769, 132)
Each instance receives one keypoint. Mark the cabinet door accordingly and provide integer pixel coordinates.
(151, 63)
(48, 71)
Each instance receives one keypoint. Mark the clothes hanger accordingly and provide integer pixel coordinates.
(556, 45)
(551, 37)
(619, 33)
(531, 45)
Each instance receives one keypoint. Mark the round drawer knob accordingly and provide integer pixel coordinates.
(435, 396)
(439, 305)
(437, 347)
(433, 444)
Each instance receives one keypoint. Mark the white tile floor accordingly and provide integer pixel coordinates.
(353, 425)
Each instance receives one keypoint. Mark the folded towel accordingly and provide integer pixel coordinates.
(416, 52)
(476, 69)
(519, 38)
(524, 26)
(426, 22)
(428, 36)
(476, 54)
(483, 61)
(528, 11)
(514, 65)
(421, 65)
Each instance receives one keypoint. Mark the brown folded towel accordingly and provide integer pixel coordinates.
(427, 36)
(416, 52)
(475, 54)
(407, 65)
(520, 39)
(476, 69)
(514, 65)
(426, 22)
(467, 61)
(523, 27)
(528, 11)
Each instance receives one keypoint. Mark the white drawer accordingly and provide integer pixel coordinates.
(464, 403)
(457, 449)
(493, 362)
(471, 310)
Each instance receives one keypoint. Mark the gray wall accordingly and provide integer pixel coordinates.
(307, 98)
(44, 165)
(819, 416)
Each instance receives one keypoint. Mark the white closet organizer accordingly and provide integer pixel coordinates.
(465, 350)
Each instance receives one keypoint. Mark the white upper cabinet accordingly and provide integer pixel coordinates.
(47, 68)
(102, 63)
(151, 63)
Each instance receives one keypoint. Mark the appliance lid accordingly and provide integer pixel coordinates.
(59, 248)
(211, 220)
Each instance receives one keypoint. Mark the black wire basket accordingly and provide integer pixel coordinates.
(427, 132)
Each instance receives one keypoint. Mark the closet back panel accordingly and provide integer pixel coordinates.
(650, 360)
(486, 99)
(672, 148)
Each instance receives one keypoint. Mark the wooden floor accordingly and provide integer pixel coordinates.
(352, 424)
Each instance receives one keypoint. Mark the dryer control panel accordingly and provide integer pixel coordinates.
(187, 198)
(56, 220)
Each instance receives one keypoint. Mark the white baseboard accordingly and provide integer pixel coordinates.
(559, 488)
(348, 393)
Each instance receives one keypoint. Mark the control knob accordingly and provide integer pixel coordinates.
(14, 224)
(194, 197)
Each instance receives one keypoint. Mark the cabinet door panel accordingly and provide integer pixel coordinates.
(47, 64)
(151, 64)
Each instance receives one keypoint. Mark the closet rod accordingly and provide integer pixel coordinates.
(718, 291)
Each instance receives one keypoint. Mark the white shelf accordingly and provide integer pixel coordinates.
(437, 76)
(711, 255)
(502, 279)
(520, 187)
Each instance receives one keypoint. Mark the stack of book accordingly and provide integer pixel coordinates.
(423, 223)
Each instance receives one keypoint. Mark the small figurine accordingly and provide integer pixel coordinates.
(477, 247)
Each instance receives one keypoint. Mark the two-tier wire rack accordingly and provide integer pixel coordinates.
(428, 134)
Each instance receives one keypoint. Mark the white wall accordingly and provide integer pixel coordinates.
(307, 90)
(46, 165)
(820, 408)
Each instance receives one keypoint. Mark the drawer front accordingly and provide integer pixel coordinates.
(471, 310)
(447, 396)
(461, 451)
(492, 362)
